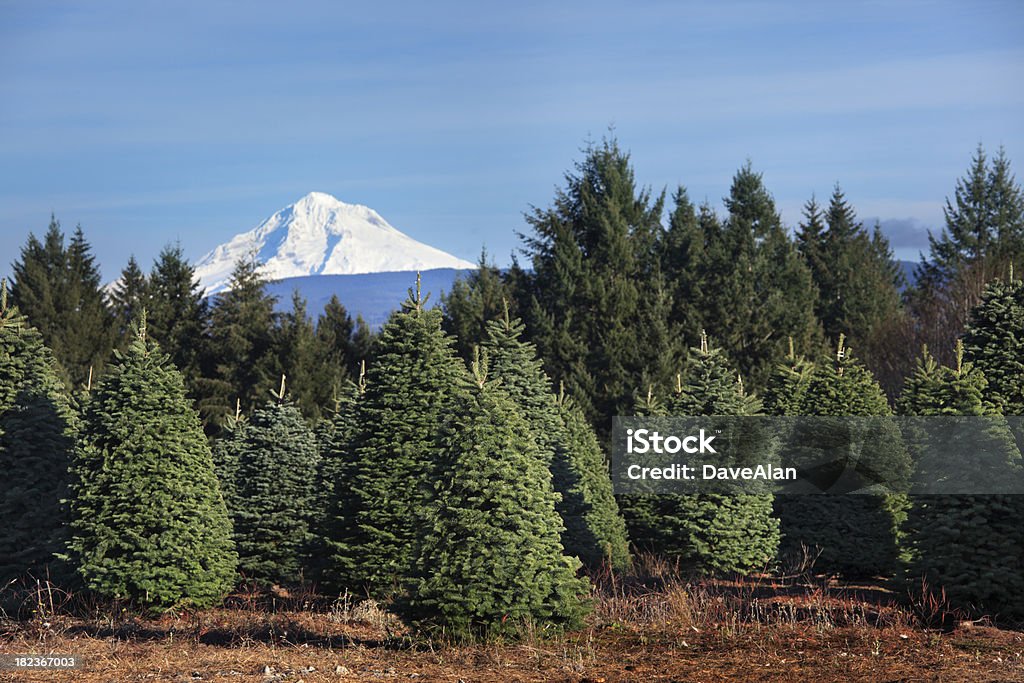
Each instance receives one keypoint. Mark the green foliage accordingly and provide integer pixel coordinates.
(148, 521)
(841, 526)
(784, 394)
(59, 290)
(241, 346)
(594, 531)
(395, 448)
(994, 343)
(984, 222)
(272, 505)
(178, 314)
(596, 303)
(335, 352)
(855, 272)
(759, 289)
(710, 533)
(490, 562)
(127, 299)
(474, 301)
(298, 357)
(969, 546)
(36, 445)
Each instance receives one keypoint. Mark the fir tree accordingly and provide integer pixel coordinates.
(785, 391)
(969, 546)
(713, 533)
(59, 290)
(842, 525)
(474, 301)
(994, 343)
(128, 297)
(335, 355)
(241, 348)
(336, 503)
(763, 289)
(273, 499)
(855, 272)
(984, 222)
(594, 532)
(148, 520)
(36, 445)
(298, 357)
(597, 286)
(395, 448)
(178, 314)
(490, 562)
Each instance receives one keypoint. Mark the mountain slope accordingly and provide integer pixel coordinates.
(321, 235)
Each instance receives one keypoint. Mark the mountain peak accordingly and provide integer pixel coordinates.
(321, 235)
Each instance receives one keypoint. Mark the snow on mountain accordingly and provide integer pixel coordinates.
(321, 235)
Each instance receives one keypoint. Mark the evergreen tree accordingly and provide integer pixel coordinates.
(336, 504)
(762, 287)
(395, 448)
(855, 272)
(594, 532)
(273, 494)
(59, 290)
(490, 562)
(128, 297)
(148, 521)
(597, 288)
(36, 445)
(984, 223)
(969, 546)
(473, 302)
(712, 533)
(178, 313)
(994, 343)
(298, 357)
(241, 346)
(785, 392)
(842, 525)
(362, 340)
(335, 355)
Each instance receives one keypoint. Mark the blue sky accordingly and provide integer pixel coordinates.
(154, 122)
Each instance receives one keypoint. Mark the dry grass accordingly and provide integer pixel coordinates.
(652, 625)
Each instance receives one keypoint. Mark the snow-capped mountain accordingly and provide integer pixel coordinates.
(321, 235)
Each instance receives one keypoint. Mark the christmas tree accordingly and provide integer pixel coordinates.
(862, 452)
(490, 562)
(36, 444)
(272, 504)
(394, 448)
(149, 523)
(593, 527)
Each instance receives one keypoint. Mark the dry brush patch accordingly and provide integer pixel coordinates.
(647, 626)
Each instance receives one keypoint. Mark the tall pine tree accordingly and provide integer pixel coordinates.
(178, 313)
(128, 297)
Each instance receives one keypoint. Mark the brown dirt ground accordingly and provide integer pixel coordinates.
(749, 630)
